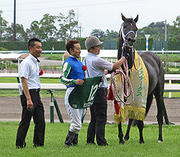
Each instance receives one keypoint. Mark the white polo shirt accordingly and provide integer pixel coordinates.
(29, 69)
(96, 66)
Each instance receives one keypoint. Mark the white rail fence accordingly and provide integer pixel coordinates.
(170, 87)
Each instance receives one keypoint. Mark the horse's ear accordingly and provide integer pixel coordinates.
(123, 17)
(136, 19)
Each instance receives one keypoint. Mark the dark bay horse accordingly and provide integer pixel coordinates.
(127, 36)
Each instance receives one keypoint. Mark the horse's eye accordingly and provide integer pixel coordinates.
(125, 26)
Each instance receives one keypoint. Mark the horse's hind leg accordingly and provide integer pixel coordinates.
(128, 129)
(160, 102)
(120, 135)
(140, 125)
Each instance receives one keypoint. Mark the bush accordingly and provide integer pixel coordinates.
(3, 49)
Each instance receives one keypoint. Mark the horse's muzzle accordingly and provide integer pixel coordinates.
(131, 41)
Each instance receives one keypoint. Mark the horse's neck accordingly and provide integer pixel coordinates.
(120, 45)
(126, 50)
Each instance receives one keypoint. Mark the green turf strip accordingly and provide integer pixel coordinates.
(56, 133)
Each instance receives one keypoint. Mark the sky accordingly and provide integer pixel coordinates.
(93, 14)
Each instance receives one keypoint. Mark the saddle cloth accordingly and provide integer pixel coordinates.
(139, 79)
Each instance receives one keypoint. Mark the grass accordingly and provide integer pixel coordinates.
(42, 80)
(56, 133)
(44, 93)
(170, 57)
(61, 94)
(174, 70)
(53, 56)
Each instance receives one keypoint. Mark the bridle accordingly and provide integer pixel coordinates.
(126, 84)
(125, 35)
(125, 44)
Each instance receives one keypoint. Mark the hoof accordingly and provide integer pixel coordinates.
(141, 142)
(160, 141)
(126, 138)
(121, 142)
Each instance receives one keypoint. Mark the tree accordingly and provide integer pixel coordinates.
(34, 30)
(44, 29)
(98, 33)
(177, 22)
(156, 29)
(21, 35)
(3, 25)
(111, 35)
(68, 26)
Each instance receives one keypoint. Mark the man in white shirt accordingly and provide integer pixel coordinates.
(30, 98)
(95, 67)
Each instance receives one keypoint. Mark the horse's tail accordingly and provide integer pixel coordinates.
(161, 84)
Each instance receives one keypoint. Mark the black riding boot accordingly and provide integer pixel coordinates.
(75, 140)
(69, 139)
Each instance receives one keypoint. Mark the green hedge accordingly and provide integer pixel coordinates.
(140, 44)
(14, 45)
(18, 45)
(173, 44)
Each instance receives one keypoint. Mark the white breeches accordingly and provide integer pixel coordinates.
(74, 114)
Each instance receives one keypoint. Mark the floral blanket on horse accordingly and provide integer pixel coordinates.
(134, 106)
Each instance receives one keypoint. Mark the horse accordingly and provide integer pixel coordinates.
(153, 64)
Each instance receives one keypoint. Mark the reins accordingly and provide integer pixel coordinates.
(127, 89)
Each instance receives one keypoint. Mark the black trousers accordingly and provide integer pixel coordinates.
(98, 118)
(38, 116)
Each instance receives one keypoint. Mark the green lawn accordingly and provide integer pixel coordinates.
(42, 80)
(44, 93)
(56, 133)
(53, 56)
(61, 94)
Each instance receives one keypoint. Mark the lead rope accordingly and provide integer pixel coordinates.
(126, 84)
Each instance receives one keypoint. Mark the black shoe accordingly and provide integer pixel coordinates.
(21, 146)
(75, 140)
(93, 143)
(69, 139)
(103, 144)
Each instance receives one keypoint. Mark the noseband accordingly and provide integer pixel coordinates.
(124, 35)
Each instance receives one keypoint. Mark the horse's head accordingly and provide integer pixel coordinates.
(128, 30)
(127, 37)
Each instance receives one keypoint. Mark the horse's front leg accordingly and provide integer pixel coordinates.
(128, 129)
(140, 125)
(120, 134)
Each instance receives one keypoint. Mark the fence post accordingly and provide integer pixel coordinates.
(58, 111)
(51, 108)
(170, 92)
(53, 104)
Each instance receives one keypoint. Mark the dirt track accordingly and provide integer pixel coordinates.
(10, 110)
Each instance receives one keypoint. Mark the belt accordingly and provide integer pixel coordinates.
(35, 90)
(102, 88)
